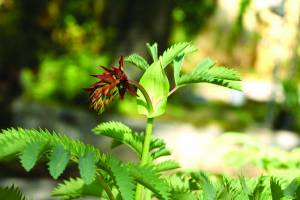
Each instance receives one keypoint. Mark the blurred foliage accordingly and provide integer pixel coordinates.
(251, 152)
(189, 17)
(61, 78)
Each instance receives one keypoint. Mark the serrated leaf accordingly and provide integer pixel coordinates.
(30, 154)
(258, 189)
(171, 53)
(150, 178)
(177, 64)
(138, 61)
(245, 189)
(87, 167)
(11, 193)
(157, 86)
(58, 161)
(206, 71)
(153, 51)
(123, 180)
(291, 189)
(209, 191)
(160, 152)
(276, 190)
(75, 188)
(121, 133)
(183, 196)
(167, 165)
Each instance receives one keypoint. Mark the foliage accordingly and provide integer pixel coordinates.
(12, 193)
(102, 175)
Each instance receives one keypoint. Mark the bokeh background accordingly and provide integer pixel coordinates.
(49, 48)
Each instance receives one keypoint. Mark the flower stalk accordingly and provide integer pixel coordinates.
(145, 155)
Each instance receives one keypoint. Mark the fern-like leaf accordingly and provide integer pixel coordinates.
(167, 165)
(122, 178)
(149, 177)
(276, 190)
(75, 188)
(58, 161)
(11, 193)
(30, 154)
(206, 71)
(87, 166)
(121, 133)
(209, 191)
(292, 188)
(258, 189)
(171, 53)
(138, 61)
(124, 135)
(153, 51)
(13, 141)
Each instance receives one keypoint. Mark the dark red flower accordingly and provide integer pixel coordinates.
(113, 82)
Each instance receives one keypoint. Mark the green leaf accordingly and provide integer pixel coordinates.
(209, 191)
(138, 61)
(123, 180)
(150, 178)
(160, 152)
(75, 188)
(157, 86)
(58, 161)
(87, 167)
(258, 189)
(167, 165)
(153, 51)
(177, 64)
(206, 71)
(276, 190)
(171, 53)
(245, 190)
(122, 133)
(11, 193)
(30, 154)
(183, 196)
(292, 188)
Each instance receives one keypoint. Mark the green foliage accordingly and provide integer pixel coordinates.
(138, 61)
(157, 86)
(75, 188)
(124, 135)
(276, 190)
(209, 192)
(59, 159)
(11, 193)
(14, 141)
(153, 51)
(30, 154)
(149, 177)
(100, 172)
(87, 166)
(206, 71)
(123, 179)
(61, 77)
(167, 165)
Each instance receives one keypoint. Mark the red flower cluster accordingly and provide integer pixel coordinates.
(112, 82)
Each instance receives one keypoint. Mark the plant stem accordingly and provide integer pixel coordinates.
(106, 187)
(145, 154)
(144, 92)
(172, 91)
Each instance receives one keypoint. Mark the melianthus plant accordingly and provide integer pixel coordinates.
(103, 175)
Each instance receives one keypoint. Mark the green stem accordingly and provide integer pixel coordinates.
(144, 92)
(145, 154)
(106, 187)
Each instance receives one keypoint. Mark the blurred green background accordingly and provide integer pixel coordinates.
(49, 48)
